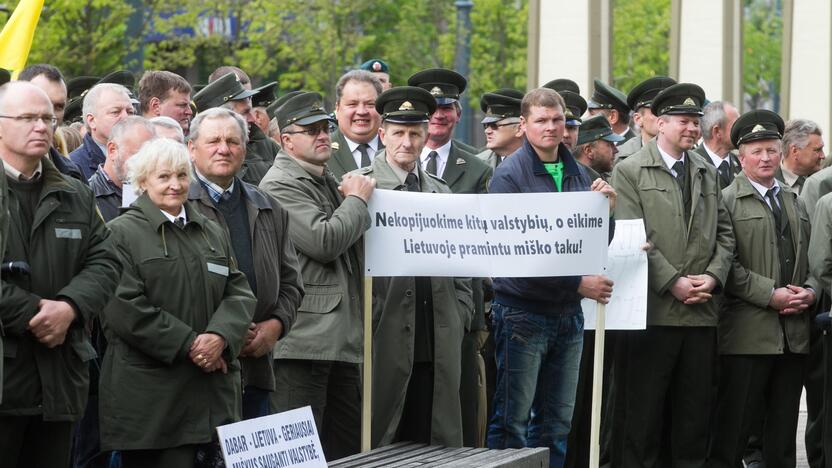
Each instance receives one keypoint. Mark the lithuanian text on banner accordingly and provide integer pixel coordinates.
(506, 235)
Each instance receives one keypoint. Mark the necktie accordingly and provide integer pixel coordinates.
(412, 183)
(432, 162)
(364, 148)
(725, 174)
(180, 222)
(799, 183)
(679, 167)
(775, 208)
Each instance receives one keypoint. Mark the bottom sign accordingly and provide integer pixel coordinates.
(280, 440)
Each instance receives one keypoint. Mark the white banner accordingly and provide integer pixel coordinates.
(497, 235)
(627, 267)
(287, 439)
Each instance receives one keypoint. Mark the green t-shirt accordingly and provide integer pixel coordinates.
(555, 169)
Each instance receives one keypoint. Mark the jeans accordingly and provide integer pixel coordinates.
(538, 357)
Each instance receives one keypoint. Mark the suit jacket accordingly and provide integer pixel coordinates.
(342, 161)
(747, 325)
(466, 147)
(703, 243)
(394, 313)
(466, 173)
(736, 167)
(327, 238)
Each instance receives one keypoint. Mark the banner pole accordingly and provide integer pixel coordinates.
(367, 391)
(597, 385)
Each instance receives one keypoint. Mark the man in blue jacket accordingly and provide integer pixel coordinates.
(537, 322)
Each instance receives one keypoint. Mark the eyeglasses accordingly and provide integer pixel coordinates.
(30, 119)
(314, 131)
(495, 126)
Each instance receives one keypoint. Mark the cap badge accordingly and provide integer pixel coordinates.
(758, 128)
(406, 106)
(689, 102)
(436, 91)
(376, 67)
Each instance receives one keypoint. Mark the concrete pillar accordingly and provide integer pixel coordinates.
(569, 39)
(706, 46)
(806, 80)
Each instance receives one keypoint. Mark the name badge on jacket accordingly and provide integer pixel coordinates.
(221, 270)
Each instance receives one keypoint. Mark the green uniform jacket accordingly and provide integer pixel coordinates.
(628, 148)
(70, 258)
(816, 186)
(746, 324)
(341, 161)
(260, 152)
(176, 284)
(466, 147)
(490, 158)
(820, 244)
(275, 266)
(701, 244)
(466, 173)
(329, 323)
(393, 324)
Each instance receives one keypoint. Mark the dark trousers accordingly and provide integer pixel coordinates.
(815, 436)
(577, 446)
(31, 442)
(754, 388)
(417, 413)
(256, 402)
(175, 457)
(472, 389)
(673, 368)
(333, 390)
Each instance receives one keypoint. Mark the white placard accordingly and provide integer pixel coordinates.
(287, 439)
(504, 235)
(627, 267)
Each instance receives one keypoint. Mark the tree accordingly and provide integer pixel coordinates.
(84, 37)
(498, 47)
(762, 39)
(640, 42)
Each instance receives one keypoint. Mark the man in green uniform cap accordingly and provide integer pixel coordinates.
(595, 148)
(419, 322)
(501, 125)
(671, 363)
(318, 362)
(613, 104)
(442, 155)
(227, 91)
(575, 108)
(639, 100)
(260, 101)
(764, 327)
(381, 71)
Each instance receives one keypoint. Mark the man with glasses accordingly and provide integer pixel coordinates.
(55, 229)
(318, 363)
(104, 106)
(501, 125)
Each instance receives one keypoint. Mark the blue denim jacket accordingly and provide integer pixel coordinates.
(523, 172)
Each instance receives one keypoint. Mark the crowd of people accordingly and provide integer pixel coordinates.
(178, 257)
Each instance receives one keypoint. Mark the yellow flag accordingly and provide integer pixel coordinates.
(17, 34)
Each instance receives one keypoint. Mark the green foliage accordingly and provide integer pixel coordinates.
(498, 47)
(762, 39)
(302, 44)
(640, 42)
(83, 37)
